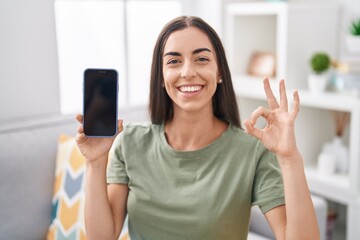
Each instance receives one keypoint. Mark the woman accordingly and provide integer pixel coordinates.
(193, 173)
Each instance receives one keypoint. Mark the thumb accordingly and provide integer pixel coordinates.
(253, 131)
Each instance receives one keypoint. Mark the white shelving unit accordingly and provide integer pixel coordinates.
(267, 25)
(315, 122)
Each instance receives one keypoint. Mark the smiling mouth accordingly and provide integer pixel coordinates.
(190, 89)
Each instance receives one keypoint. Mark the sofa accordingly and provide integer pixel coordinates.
(28, 149)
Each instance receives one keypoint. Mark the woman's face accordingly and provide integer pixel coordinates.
(190, 70)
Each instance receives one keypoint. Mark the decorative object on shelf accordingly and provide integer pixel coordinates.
(345, 77)
(353, 38)
(335, 153)
(339, 149)
(340, 152)
(341, 121)
(317, 80)
(333, 158)
(262, 64)
(332, 219)
(326, 163)
(337, 80)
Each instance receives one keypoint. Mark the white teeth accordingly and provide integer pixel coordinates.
(190, 88)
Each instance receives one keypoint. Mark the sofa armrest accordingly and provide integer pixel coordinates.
(254, 236)
(27, 159)
(259, 224)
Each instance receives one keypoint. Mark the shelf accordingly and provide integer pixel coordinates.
(329, 100)
(335, 186)
(252, 88)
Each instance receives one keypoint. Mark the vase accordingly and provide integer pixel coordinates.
(353, 43)
(341, 154)
(326, 164)
(317, 82)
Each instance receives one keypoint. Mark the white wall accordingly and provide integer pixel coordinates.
(28, 59)
(28, 55)
(209, 10)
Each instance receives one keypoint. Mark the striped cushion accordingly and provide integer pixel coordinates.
(69, 194)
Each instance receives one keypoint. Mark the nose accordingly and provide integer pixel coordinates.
(188, 71)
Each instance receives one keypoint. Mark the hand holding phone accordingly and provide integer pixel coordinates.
(100, 102)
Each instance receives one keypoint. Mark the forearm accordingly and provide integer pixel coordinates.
(301, 222)
(99, 220)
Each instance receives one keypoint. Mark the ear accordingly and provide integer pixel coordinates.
(219, 79)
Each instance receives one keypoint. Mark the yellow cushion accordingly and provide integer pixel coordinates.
(69, 194)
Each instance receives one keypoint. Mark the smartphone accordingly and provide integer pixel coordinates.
(100, 91)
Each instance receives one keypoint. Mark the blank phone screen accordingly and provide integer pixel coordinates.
(100, 102)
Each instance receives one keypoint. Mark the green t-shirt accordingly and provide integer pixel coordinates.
(201, 194)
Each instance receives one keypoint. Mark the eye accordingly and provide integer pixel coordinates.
(172, 61)
(202, 59)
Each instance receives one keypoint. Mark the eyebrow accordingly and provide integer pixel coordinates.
(201, 50)
(193, 52)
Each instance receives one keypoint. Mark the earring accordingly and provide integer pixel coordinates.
(220, 81)
(162, 84)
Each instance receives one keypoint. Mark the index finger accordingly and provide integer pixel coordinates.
(79, 118)
(272, 102)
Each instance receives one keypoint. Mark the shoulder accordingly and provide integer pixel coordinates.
(139, 132)
(137, 138)
(247, 142)
(242, 137)
(140, 127)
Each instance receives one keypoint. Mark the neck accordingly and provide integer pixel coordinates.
(193, 131)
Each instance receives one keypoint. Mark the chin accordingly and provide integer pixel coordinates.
(193, 107)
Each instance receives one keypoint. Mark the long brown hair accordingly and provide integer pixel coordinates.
(224, 100)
